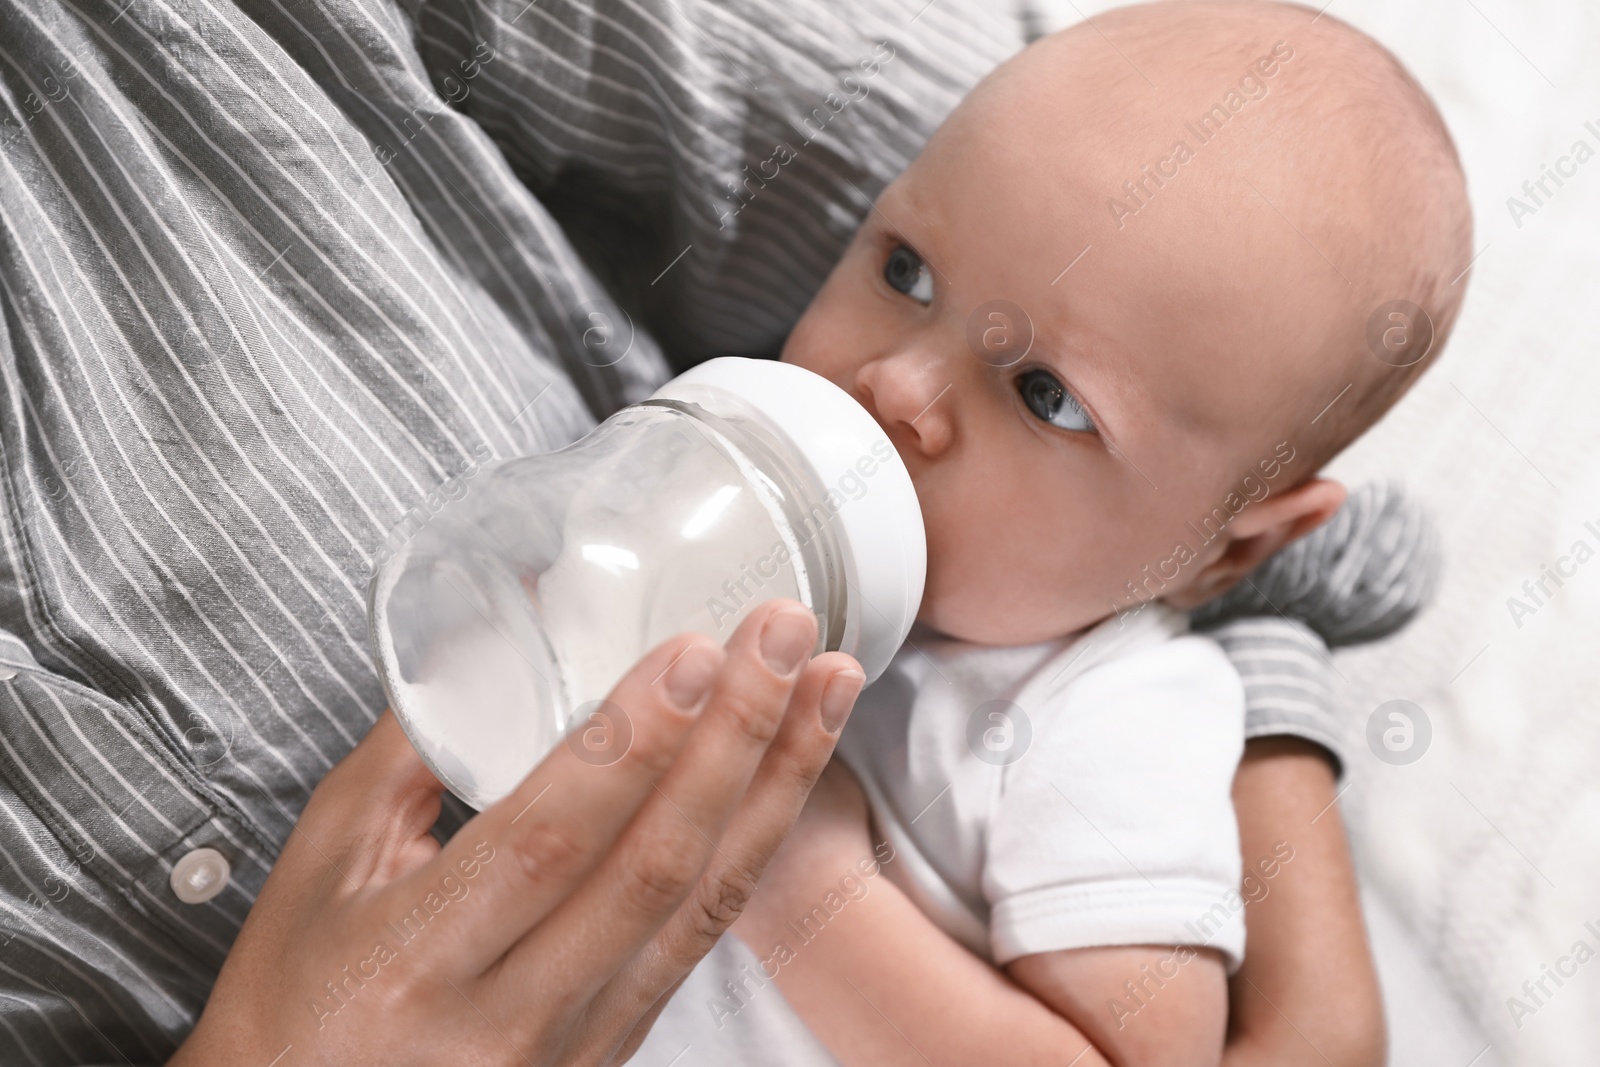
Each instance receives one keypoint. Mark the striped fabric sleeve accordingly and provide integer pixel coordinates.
(1288, 685)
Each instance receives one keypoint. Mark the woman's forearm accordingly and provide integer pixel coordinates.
(1307, 992)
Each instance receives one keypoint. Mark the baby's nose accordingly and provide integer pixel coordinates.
(913, 397)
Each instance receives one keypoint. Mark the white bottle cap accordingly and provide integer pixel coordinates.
(875, 513)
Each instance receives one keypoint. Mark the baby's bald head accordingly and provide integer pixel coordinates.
(1295, 129)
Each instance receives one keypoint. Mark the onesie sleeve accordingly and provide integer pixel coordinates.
(1116, 827)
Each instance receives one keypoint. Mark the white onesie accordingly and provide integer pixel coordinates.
(1063, 795)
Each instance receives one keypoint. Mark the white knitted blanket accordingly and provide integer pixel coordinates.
(1488, 848)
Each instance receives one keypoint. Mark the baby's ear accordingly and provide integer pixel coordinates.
(1261, 529)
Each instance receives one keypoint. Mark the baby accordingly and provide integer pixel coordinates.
(1144, 282)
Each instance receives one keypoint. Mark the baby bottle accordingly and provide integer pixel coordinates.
(500, 626)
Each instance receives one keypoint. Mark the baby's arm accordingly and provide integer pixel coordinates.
(881, 984)
(1182, 1005)
(1307, 992)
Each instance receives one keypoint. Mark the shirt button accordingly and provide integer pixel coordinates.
(200, 875)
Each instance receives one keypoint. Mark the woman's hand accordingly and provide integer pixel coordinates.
(550, 927)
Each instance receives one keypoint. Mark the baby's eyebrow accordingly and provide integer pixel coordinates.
(905, 196)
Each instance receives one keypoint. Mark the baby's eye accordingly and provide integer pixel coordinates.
(1047, 398)
(906, 272)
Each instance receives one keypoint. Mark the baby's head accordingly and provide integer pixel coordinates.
(1130, 298)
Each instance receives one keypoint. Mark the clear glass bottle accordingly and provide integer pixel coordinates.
(510, 614)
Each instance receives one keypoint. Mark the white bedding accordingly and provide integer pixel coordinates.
(1487, 850)
(1482, 859)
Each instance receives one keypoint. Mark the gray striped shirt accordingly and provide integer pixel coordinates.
(274, 274)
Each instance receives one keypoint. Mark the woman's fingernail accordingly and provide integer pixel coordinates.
(786, 639)
(838, 697)
(689, 677)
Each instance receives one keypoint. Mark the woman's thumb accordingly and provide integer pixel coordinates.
(372, 813)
